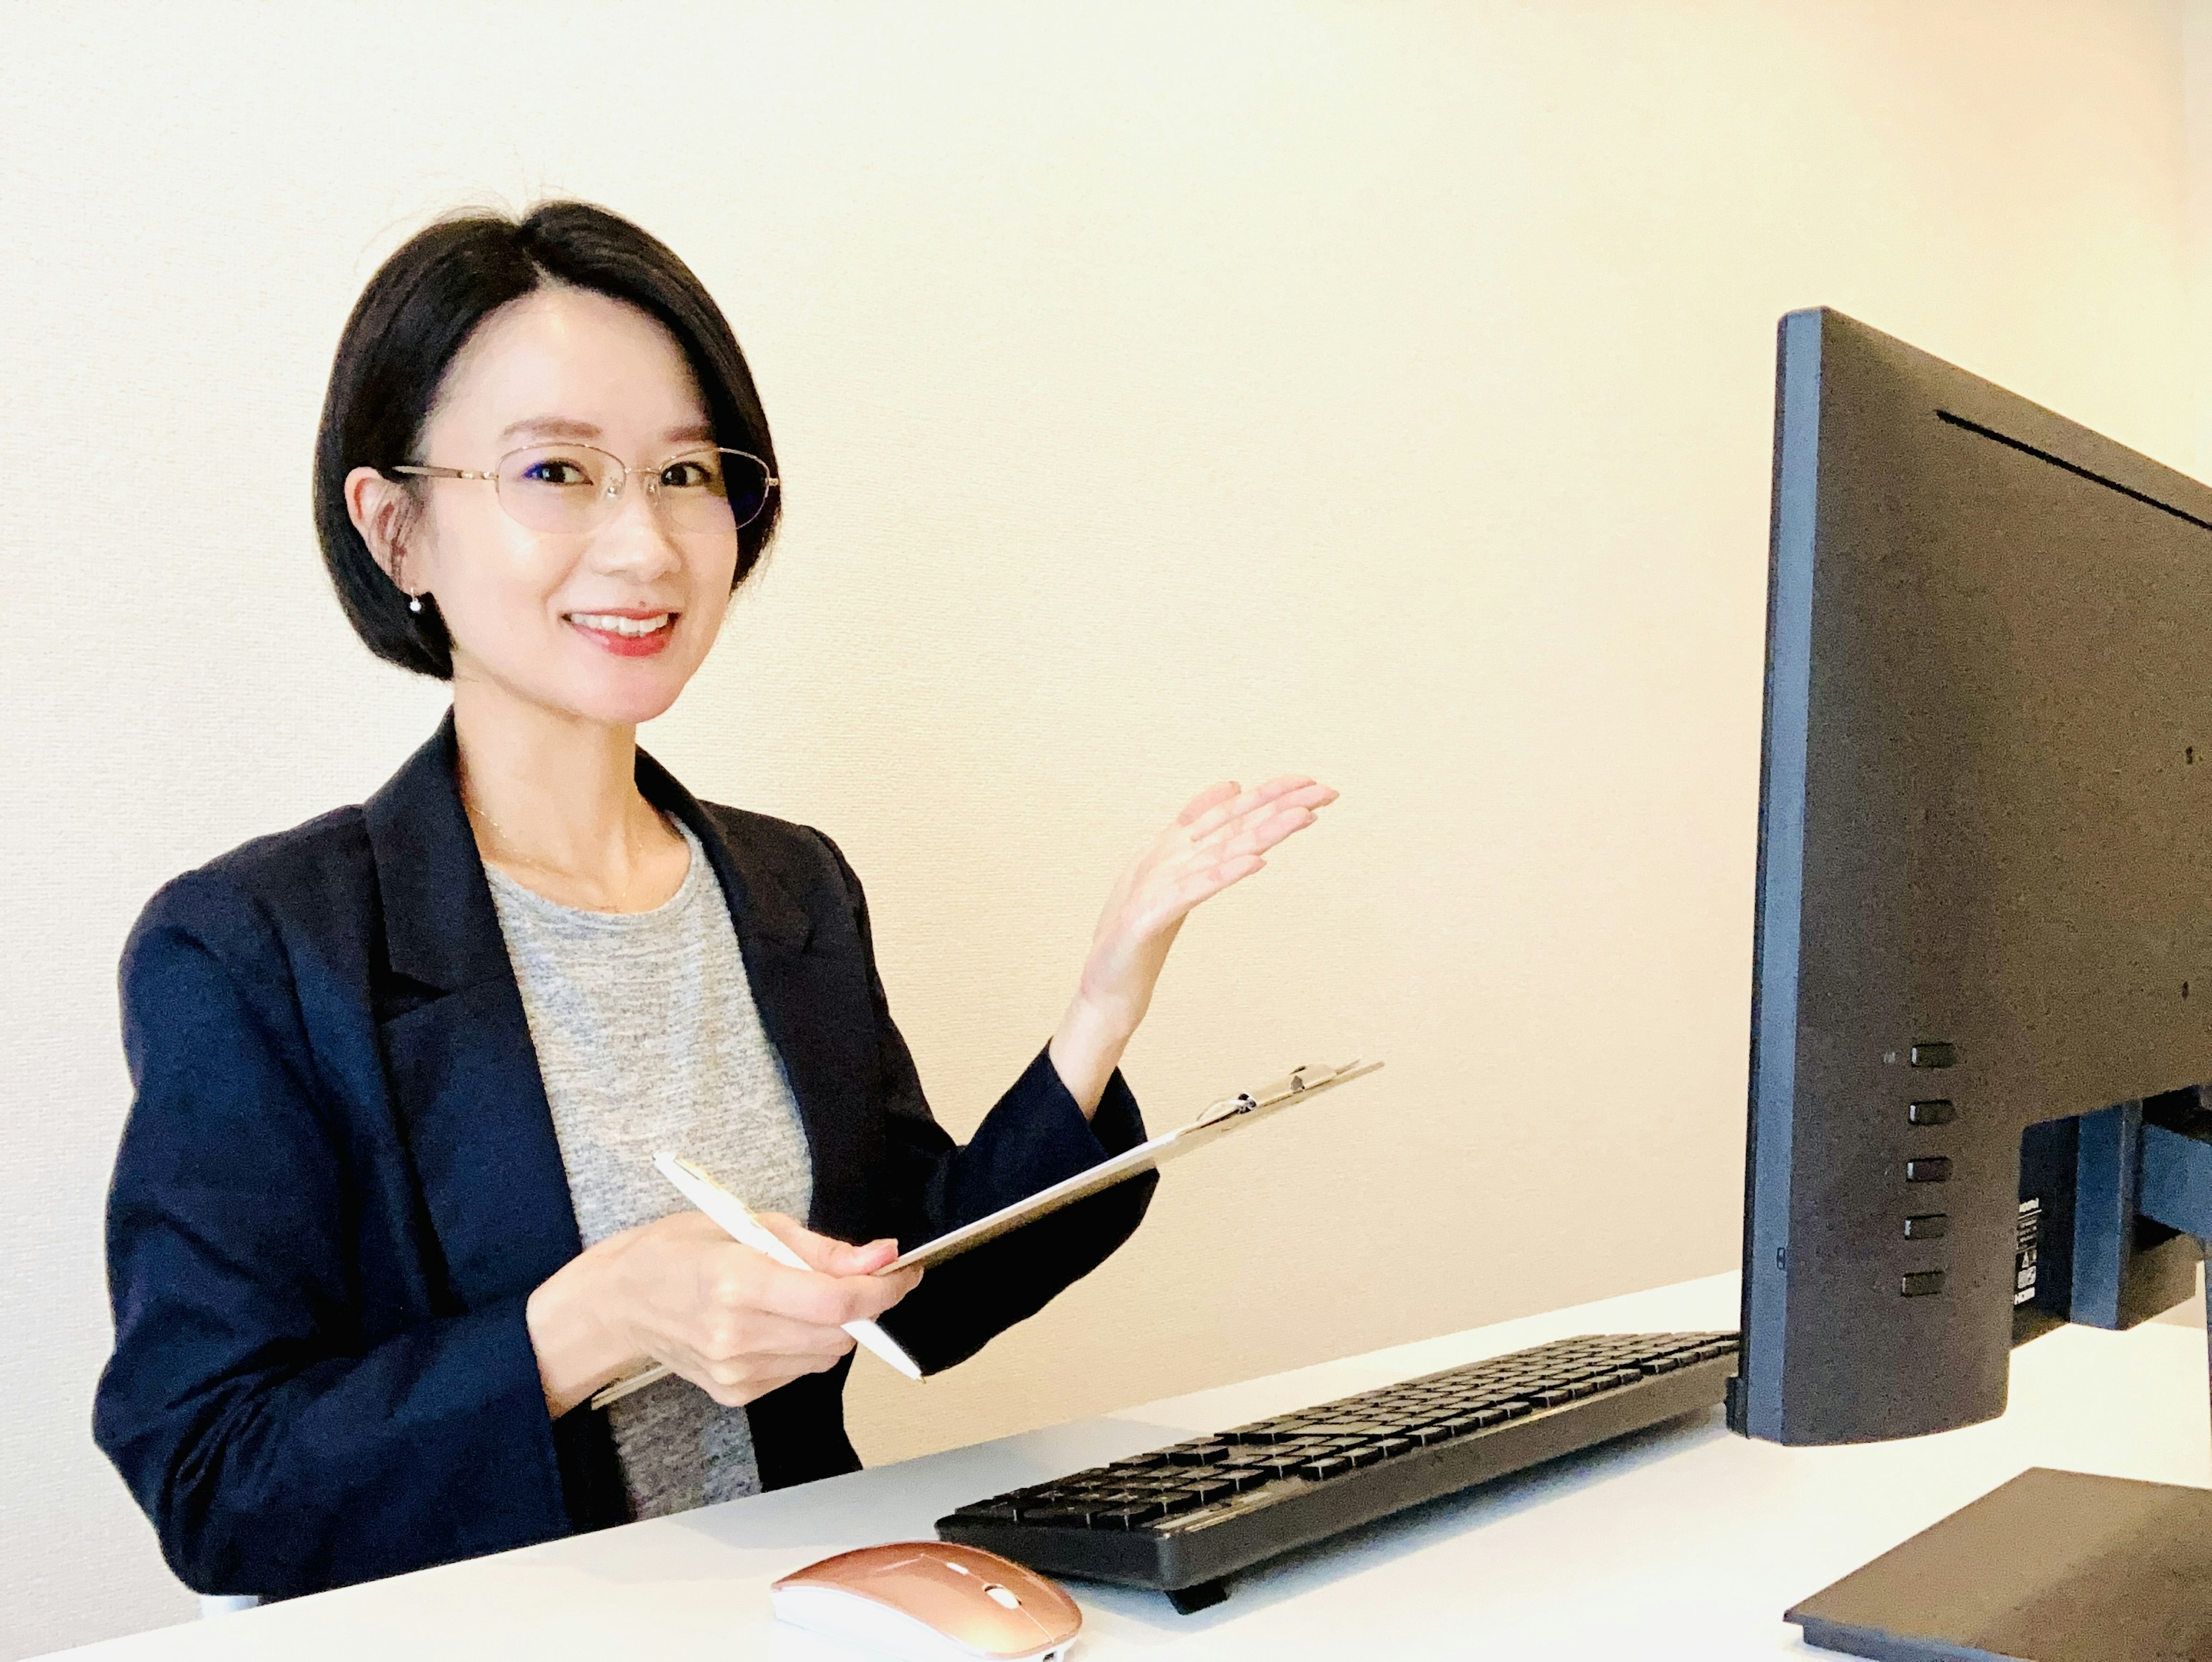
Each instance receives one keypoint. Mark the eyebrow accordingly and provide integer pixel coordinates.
(565, 427)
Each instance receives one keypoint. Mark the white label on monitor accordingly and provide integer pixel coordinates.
(2027, 1237)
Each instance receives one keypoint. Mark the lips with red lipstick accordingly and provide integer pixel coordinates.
(626, 631)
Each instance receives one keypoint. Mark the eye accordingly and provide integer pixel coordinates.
(688, 473)
(556, 470)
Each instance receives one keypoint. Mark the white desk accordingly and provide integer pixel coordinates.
(1682, 1543)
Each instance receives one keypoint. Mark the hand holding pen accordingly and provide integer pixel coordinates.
(726, 1315)
(747, 1228)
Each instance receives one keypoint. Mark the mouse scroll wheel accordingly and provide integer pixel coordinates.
(999, 1595)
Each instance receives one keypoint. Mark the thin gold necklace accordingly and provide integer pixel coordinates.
(476, 811)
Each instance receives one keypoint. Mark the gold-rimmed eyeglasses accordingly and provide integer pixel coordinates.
(570, 488)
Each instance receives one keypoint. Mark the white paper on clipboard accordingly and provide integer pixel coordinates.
(1217, 1121)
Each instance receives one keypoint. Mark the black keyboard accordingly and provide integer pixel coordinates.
(1181, 1519)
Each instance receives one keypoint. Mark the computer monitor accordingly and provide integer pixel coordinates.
(1985, 889)
(1982, 999)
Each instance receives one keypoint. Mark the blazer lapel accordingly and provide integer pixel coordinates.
(807, 996)
(463, 1074)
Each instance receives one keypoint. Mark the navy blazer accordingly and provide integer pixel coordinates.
(339, 1182)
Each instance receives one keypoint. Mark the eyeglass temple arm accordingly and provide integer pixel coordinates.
(440, 472)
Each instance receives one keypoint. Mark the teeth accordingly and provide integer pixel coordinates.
(615, 626)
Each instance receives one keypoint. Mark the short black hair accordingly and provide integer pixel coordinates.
(416, 314)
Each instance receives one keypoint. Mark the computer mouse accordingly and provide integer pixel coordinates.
(931, 1601)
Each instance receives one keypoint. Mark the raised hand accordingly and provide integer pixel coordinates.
(1221, 838)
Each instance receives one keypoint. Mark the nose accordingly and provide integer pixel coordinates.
(634, 541)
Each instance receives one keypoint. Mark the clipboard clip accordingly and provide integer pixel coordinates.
(1298, 1080)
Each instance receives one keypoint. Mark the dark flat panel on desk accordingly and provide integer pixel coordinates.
(2054, 1567)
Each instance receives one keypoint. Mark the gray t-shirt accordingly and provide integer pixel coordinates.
(647, 1039)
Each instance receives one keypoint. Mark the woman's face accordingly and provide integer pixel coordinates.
(553, 617)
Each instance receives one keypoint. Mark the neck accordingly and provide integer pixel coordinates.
(552, 792)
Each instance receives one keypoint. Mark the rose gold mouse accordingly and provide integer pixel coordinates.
(931, 1601)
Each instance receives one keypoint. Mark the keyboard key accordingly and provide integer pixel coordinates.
(1240, 1478)
(1390, 1447)
(1058, 1517)
(1134, 1516)
(1331, 1465)
(1200, 1454)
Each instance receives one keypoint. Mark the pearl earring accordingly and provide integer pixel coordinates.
(415, 603)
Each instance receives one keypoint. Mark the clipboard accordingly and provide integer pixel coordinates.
(1218, 1120)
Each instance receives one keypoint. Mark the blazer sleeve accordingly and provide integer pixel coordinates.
(276, 1448)
(1033, 1137)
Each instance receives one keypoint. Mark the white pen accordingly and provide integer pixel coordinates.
(741, 1226)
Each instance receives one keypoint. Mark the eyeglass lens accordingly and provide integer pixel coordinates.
(573, 488)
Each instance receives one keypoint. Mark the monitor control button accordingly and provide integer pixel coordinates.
(1921, 1285)
(1935, 1053)
(1933, 1168)
(1938, 1113)
(1933, 1226)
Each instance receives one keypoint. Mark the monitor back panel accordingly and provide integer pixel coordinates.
(1985, 862)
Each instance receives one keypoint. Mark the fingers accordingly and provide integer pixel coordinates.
(1231, 814)
(829, 1301)
(734, 1277)
(773, 1375)
(739, 1322)
(736, 1340)
(864, 1259)
(815, 1250)
(1252, 824)
(1256, 835)
(1223, 821)
(745, 1379)
(1212, 796)
(1217, 840)
(829, 1255)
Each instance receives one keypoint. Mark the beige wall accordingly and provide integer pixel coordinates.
(1166, 391)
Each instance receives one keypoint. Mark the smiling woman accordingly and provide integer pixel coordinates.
(384, 1217)
(440, 300)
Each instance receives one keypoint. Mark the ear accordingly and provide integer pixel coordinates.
(383, 511)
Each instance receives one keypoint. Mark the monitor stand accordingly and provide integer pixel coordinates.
(2055, 1566)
